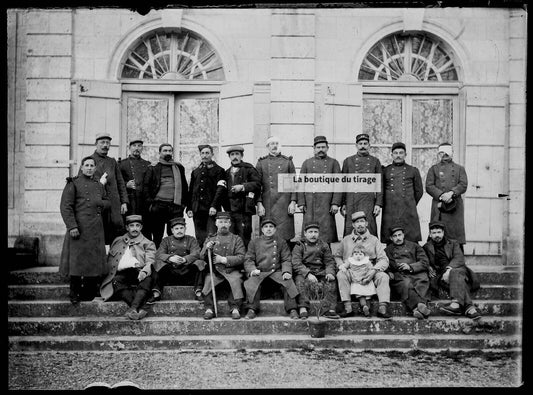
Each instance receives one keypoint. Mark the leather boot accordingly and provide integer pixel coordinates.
(139, 299)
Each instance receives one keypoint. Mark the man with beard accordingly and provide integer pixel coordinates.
(271, 203)
(165, 192)
(321, 207)
(207, 189)
(108, 172)
(129, 263)
(243, 188)
(447, 270)
(133, 169)
(227, 253)
(368, 202)
(402, 190)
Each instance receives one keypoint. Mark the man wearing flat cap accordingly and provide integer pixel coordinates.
(446, 182)
(130, 261)
(376, 253)
(369, 202)
(271, 203)
(177, 261)
(402, 190)
(107, 170)
(207, 190)
(321, 207)
(243, 189)
(408, 271)
(269, 257)
(227, 253)
(448, 272)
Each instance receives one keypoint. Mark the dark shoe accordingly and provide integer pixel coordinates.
(235, 314)
(422, 308)
(141, 314)
(304, 314)
(75, 300)
(473, 313)
(331, 315)
(250, 315)
(383, 311)
(417, 314)
(450, 310)
(154, 298)
(293, 315)
(345, 314)
(365, 310)
(208, 315)
(132, 314)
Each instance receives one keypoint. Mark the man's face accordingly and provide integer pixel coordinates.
(206, 155)
(436, 234)
(134, 229)
(102, 146)
(445, 153)
(360, 225)
(235, 157)
(178, 231)
(268, 229)
(321, 150)
(362, 145)
(223, 225)
(398, 237)
(312, 234)
(273, 147)
(166, 153)
(398, 155)
(136, 150)
(88, 167)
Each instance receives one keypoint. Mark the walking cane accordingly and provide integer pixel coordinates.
(212, 280)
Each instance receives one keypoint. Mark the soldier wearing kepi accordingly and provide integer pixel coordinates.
(207, 190)
(133, 169)
(271, 203)
(368, 202)
(321, 207)
(129, 263)
(227, 253)
(402, 190)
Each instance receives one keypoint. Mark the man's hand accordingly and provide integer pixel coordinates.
(103, 179)
(368, 277)
(131, 184)
(260, 209)
(446, 275)
(286, 276)
(75, 233)
(343, 210)
(446, 197)
(177, 259)
(189, 213)
(220, 259)
(123, 208)
(344, 267)
(404, 267)
(142, 275)
(255, 272)
(311, 277)
(212, 211)
(237, 188)
(330, 277)
(334, 209)
(302, 208)
(431, 272)
(377, 210)
(210, 244)
(292, 208)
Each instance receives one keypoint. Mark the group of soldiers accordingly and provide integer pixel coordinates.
(116, 214)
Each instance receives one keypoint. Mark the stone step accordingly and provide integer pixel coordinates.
(61, 292)
(262, 325)
(294, 341)
(189, 308)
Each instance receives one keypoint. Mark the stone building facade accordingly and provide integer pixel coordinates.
(237, 76)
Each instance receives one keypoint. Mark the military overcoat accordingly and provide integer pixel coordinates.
(133, 168)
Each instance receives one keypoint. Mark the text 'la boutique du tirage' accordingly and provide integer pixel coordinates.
(329, 182)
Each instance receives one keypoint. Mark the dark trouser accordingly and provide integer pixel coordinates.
(233, 303)
(458, 287)
(204, 224)
(331, 292)
(160, 215)
(411, 289)
(178, 275)
(84, 288)
(288, 302)
(241, 225)
(127, 287)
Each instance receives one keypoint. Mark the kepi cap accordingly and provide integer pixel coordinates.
(136, 141)
(223, 215)
(177, 221)
(265, 221)
(357, 215)
(396, 227)
(312, 225)
(447, 207)
(398, 145)
(103, 135)
(437, 224)
(134, 218)
(362, 136)
(233, 148)
(202, 146)
(320, 139)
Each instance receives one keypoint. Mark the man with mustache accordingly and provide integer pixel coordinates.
(108, 172)
(165, 192)
(321, 207)
(133, 169)
(243, 189)
(368, 202)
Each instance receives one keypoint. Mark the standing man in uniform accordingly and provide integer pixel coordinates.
(271, 203)
(446, 182)
(207, 188)
(133, 169)
(368, 202)
(108, 172)
(402, 190)
(243, 186)
(321, 207)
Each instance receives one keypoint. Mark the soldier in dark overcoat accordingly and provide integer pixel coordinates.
(271, 203)
(368, 202)
(83, 257)
(207, 190)
(269, 257)
(446, 182)
(133, 169)
(321, 207)
(402, 190)
(408, 271)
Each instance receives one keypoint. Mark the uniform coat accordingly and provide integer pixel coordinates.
(314, 258)
(116, 193)
(133, 168)
(187, 247)
(232, 247)
(276, 203)
(402, 190)
(140, 247)
(244, 201)
(361, 201)
(317, 205)
(272, 256)
(82, 202)
(443, 177)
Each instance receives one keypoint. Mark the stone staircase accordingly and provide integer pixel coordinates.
(41, 318)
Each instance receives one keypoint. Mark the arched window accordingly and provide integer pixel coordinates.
(172, 55)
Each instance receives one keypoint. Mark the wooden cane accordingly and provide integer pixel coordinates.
(212, 280)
